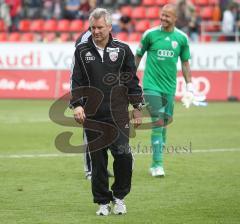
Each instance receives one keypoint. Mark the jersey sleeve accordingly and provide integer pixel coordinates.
(185, 51)
(144, 44)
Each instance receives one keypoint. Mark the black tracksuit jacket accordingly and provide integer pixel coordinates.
(104, 87)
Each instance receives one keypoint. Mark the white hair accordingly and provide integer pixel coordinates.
(99, 13)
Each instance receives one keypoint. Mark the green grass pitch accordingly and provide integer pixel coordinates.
(201, 186)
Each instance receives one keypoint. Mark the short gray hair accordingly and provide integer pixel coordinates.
(101, 12)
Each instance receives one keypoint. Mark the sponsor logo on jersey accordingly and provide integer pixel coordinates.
(165, 53)
(167, 39)
(113, 56)
(174, 44)
(127, 126)
(89, 57)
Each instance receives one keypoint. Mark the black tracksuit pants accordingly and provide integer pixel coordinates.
(116, 138)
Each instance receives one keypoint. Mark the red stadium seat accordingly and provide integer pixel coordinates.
(76, 26)
(50, 25)
(24, 25)
(142, 25)
(155, 22)
(3, 37)
(85, 25)
(2, 26)
(122, 36)
(211, 27)
(201, 2)
(134, 37)
(37, 25)
(213, 2)
(126, 10)
(64, 37)
(49, 37)
(206, 13)
(14, 37)
(205, 38)
(161, 2)
(63, 25)
(27, 37)
(153, 12)
(148, 2)
(139, 12)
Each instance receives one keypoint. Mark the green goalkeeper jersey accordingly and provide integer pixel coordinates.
(163, 49)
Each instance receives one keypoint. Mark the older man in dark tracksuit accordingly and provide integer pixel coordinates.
(103, 83)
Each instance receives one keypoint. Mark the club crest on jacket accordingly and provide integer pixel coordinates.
(113, 56)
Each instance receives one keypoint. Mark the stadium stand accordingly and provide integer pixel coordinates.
(122, 2)
(76, 26)
(3, 37)
(134, 37)
(122, 36)
(126, 10)
(64, 37)
(63, 25)
(49, 37)
(143, 13)
(50, 25)
(14, 37)
(24, 25)
(37, 25)
(206, 13)
(152, 12)
(161, 2)
(138, 12)
(142, 26)
(27, 37)
(148, 2)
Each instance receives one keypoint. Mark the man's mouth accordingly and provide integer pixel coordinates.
(164, 22)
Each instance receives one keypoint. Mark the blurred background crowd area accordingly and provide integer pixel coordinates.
(55, 20)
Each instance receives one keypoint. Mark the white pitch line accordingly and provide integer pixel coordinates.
(194, 151)
(48, 155)
(216, 150)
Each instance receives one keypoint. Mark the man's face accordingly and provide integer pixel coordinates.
(100, 30)
(168, 17)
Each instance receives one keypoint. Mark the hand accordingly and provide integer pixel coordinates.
(190, 98)
(137, 116)
(79, 114)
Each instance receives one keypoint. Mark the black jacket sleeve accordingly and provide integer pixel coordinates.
(131, 80)
(76, 81)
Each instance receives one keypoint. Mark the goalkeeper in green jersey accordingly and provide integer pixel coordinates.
(164, 45)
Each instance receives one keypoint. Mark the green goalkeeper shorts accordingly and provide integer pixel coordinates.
(160, 106)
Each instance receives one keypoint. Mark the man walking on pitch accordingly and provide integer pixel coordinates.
(103, 83)
(163, 44)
